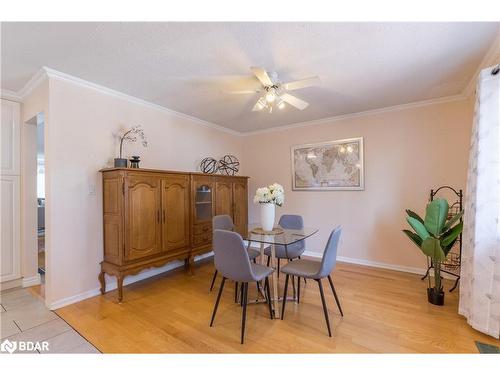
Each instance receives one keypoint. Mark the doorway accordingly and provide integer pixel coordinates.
(40, 193)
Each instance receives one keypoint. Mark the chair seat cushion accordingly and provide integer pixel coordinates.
(302, 268)
(253, 253)
(260, 272)
(292, 251)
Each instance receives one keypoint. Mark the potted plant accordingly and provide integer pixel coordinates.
(435, 236)
(130, 135)
(269, 197)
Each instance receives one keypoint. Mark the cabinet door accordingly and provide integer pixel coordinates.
(142, 218)
(175, 212)
(10, 138)
(224, 197)
(240, 207)
(10, 251)
(203, 198)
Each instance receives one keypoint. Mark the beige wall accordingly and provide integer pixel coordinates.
(80, 141)
(407, 152)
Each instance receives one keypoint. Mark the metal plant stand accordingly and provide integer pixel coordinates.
(451, 265)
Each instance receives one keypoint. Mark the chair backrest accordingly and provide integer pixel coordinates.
(291, 222)
(231, 257)
(330, 255)
(223, 222)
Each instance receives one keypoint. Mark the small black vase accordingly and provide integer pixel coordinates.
(134, 162)
(434, 297)
(121, 163)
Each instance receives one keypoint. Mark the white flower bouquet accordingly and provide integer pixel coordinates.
(270, 194)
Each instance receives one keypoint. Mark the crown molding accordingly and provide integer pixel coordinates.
(10, 95)
(105, 90)
(371, 112)
(491, 57)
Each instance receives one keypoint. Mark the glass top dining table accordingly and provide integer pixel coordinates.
(285, 237)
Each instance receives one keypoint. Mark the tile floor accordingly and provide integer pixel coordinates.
(24, 317)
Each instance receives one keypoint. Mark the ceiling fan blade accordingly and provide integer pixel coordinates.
(262, 75)
(243, 92)
(294, 101)
(303, 83)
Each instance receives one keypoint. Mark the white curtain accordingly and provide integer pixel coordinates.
(480, 275)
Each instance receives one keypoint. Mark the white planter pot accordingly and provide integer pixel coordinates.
(267, 212)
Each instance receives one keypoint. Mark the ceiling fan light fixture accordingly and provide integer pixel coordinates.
(281, 104)
(261, 104)
(270, 97)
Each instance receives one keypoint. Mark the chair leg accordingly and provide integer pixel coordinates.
(293, 287)
(325, 310)
(217, 302)
(235, 292)
(284, 297)
(244, 297)
(298, 290)
(278, 267)
(335, 295)
(268, 260)
(213, 280)
(268, 296)
(242, 290)
(305, 281)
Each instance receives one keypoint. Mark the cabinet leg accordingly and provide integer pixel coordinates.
(102, 280)
(189, 265)
(119, 280)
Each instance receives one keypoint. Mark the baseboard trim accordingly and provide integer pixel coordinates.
(32, 281)
(386, 266)
(6, 285)
(128, 280)
(371, 263)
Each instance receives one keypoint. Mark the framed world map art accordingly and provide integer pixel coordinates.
(334, 165)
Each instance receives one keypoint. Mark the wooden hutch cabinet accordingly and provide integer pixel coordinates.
(152, 217)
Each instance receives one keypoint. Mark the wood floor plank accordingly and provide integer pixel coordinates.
(384, 312)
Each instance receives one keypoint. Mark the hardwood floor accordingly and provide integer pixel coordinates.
(384, 312)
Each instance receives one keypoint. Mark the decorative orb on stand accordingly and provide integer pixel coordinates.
(209, 165)
(229, 165)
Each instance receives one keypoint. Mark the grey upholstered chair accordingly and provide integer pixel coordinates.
(233, 262)
(315, 270)
(294, 250)
(224, 222)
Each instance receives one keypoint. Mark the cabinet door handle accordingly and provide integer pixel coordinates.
(158, 215)
(163, 215)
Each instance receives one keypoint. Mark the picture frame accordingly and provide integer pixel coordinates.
(332, 165)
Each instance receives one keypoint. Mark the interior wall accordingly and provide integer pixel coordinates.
(81, 139)
(407, 152)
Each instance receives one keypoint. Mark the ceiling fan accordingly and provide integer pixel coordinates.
(275, 93)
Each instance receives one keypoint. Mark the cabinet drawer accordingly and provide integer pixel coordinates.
(199, 239)
(202, 228)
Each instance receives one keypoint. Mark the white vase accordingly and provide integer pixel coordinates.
(267, 212)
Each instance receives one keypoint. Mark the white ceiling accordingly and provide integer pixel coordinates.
(188, 66)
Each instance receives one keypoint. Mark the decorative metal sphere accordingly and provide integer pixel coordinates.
(229, 165)
(209, 165)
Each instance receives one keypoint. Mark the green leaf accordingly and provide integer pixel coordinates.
(452, 234)
(418, 227)
(447, 248)
(414, 215)
(436, 213)
(453, 220)
(432, 248)
(414, 237)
